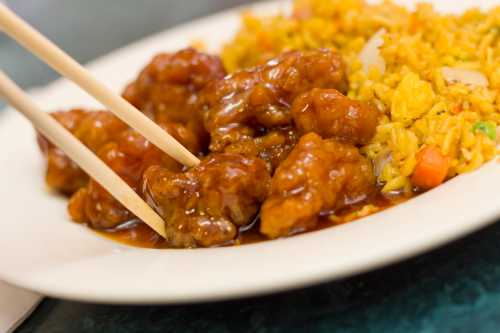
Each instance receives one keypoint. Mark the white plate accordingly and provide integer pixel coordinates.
(40, 249)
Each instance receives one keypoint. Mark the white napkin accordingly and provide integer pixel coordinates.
(15, 306)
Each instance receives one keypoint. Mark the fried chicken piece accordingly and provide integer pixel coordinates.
(251, 102)
(330, 114)
(167, 89)
(129, 156)
(94, 129)
(205, 205)
(318, 177)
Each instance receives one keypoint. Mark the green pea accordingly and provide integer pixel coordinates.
(486, 128)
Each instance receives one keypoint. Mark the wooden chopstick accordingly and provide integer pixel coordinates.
(40, 46)
(79, 153)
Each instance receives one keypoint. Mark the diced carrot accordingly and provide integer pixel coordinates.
(431, 169)
(457, 108)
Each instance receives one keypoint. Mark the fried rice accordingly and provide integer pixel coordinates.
(435, 77)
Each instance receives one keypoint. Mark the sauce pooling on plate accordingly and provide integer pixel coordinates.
(135, 233)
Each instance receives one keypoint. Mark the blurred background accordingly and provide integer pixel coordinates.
(90, 28)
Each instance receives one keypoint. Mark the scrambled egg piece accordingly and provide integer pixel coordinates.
(412, 98)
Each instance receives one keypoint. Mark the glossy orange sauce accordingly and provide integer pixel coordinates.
(140, 235)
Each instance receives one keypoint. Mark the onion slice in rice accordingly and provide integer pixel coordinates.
(465, 76)
(380, 161)
(370, 54)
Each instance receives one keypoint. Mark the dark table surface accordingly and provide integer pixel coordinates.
(453, 289)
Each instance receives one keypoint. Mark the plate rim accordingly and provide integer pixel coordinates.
(307, 280)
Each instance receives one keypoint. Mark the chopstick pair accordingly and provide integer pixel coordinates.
(44, 49)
